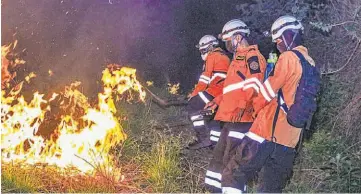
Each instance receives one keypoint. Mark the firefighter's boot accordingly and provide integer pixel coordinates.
(202, 141)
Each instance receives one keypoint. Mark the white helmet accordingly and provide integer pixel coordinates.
(232, 27)
(206, 41)
(284, 23)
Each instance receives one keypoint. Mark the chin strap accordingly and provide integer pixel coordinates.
(288, 47)
(235, 46)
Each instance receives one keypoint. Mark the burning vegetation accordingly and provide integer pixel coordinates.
(64, 129)
(9, 61)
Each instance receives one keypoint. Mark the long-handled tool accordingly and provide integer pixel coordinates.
(165, 103)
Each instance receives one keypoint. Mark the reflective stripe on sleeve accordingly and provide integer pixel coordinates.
(204, 98)
(205, 77)
(269, 88)
(202, 80)
(222, 75)
(241, 85)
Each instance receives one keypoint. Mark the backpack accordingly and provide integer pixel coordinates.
(307, 91)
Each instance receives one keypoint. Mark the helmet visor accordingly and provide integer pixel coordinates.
(294, 23)
(220, 36)
(212, 42)
(204, 50)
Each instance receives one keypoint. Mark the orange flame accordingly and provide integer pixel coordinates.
(6, 65)
(83, 135)
(173, 88)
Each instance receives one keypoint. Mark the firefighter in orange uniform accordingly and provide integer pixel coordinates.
(235, 104)
(271, 141)
(210, 85)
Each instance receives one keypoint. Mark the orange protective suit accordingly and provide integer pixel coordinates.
(247, 63)
(215, 70)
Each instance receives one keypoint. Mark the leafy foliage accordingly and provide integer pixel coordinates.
(321, 26)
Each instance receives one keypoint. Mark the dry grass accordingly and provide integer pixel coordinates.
(162, 164)
(49, 179)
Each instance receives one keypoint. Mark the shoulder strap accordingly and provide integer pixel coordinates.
(300, 56)
(275, 118)
(279, 106)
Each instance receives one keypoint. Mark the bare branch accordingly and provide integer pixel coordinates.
(342, 23)
(347, 62)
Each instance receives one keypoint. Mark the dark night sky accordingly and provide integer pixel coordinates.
(77, 38)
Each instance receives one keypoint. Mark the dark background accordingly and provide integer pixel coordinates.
(76, 39)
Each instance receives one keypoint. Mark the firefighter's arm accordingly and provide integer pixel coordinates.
(205, 78)
(220, 69)
(248, 89)
(268, 90)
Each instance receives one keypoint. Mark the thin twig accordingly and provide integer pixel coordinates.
(85, 161)
(342, 23)
(172, 125)
(348, 60)
(311, 169)
(350, 147)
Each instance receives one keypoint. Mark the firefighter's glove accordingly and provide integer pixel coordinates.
(237, 115)
(211, 105)
(190, 96)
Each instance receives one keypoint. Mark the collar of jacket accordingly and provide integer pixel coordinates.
(215, 50)
(243, 51)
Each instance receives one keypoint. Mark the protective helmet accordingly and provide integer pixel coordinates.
(284, 23)
(233, 27)
(206, 41)
(206, 44)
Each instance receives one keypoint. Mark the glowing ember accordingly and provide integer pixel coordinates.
(31, 75)
(149, 83)
(83, 134)
(50, 72)
(173, 88)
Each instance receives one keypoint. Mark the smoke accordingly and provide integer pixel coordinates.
(77, 39)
